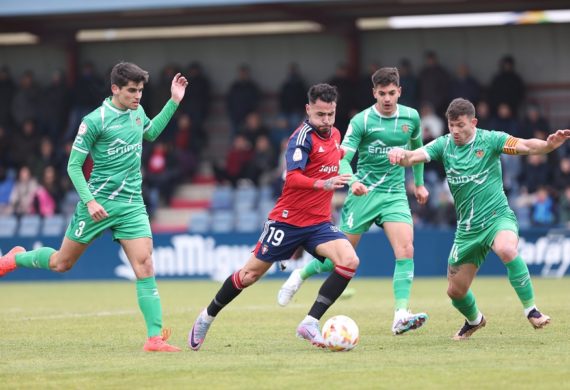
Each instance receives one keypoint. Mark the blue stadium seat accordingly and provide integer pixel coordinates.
(247, 221)
(245, 198)
(222, 198)
(53, 226)
(200, 222)
(266, 193)
(265, 206)
(29, 226)
(8, 225)
(223, 221)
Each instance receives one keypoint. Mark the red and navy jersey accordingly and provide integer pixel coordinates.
(318, 158)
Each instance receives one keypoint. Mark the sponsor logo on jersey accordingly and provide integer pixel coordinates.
(380, 148)
(405, 128)
(297, 155)
(264, 249)
(479, 153)
(478, 178)
(329, 168)
(373, 129)
(119, 147)
(82, 129)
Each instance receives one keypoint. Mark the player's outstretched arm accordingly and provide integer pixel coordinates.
(538, 146)
(333, 183)
(406, 158)
(178, 88)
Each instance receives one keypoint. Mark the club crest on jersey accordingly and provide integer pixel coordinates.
(138, 121)
(264, 249)
(405, 128)
(82, 129)
(297, 155)
(479, 153)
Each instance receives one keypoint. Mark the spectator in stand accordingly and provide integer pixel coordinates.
(7, 91)
(87, 94)
(23, 193)
(49, 194)
(533, 122)
(434, 83)
(45, 157)
(432, 125)
(237, 161)
(26, 100)
(161, 88)
(409, 84)
(292, 97)
(345, 105)
(484, 115)
(564, 208)
(507, 86)
(25, 144)
(54, 107)
(506, 120)
(196, 103)
(7, 183)
(243, 98)
(562, 174)
(187, 146)
(262, 163)
(253, 127)
(162, 171)
(465, 85)
(542, 209)
(5, 148)
(364, 96)
(535, 173)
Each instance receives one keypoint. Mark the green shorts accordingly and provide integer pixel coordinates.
(359, 212)
(473, 247)
(126, 221)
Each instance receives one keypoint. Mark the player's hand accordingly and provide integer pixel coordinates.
(396, 156)
(555, 140)
(422, 194)
(178, 87)
(359, 189)
(96, 211)
(333, 183)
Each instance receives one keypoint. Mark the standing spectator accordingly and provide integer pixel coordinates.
(434, 83)
(197, 100)
(507, 86)
(54, 107)
(506, 120)
(162, 171)
(7, 91)
(25, 144)
(409, 83)
(6, 186)
(484, 115)
(23, 193)
(237, 161)
(243, 98)
(292, 96)
(364, 95)
(253, 127)
(5, 148)
(345, 86)
(187, 146)
(534, 122)
(465, 85)
(262, 162)
(26, 99)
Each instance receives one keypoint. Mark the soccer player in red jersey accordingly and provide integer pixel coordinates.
(300, 218)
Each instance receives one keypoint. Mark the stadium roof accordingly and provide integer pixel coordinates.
(59, 18)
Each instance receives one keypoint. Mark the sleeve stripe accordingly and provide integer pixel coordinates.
(426, 154)
(147, 127)
(347, 148)
(510, 146)
(80, 150)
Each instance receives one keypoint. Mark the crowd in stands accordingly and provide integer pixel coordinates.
(39, 120)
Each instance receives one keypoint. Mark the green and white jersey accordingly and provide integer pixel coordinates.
(114, 139)
(474, 176)
(373, 136)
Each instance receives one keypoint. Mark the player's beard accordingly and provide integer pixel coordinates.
(324, 131)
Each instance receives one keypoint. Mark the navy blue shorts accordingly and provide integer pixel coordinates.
(280, 240)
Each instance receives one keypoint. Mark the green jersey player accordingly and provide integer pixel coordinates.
(378, 193)
(112, 199)
(485, 222)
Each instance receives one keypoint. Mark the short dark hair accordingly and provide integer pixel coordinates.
(124, 72)
(459, 107)
(325, 92)
(386, 76)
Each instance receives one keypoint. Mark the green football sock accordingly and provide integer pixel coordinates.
(402, 282)
(520, 280)
(149, 303)
(38, 258)
(316, 267)
(467, 306)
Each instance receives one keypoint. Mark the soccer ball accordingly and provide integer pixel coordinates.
(340, 333)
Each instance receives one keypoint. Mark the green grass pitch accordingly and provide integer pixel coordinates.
(89, 335)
